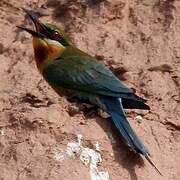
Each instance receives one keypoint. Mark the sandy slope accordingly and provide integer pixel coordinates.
(139, 41)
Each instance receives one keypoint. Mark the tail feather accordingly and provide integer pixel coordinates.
(152, 164)
(115, 109)
(134, 104)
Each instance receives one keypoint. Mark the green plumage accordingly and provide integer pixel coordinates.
(84, 73)
(76, 70)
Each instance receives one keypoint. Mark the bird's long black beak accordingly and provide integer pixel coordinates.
(41, 30)
(33, 33)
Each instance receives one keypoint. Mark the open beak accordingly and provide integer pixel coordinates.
(41, 30)
(33, 33)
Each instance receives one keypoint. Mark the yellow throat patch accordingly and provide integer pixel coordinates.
(45, 51)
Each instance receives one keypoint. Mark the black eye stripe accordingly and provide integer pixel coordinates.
(56, 36)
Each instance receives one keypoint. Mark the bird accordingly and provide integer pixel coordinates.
(72, 72)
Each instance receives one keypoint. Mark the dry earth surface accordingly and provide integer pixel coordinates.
(140, 41)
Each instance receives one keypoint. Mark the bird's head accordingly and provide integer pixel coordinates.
(49, 42)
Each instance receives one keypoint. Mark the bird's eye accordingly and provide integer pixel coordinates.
(56, 36)
(56, 33)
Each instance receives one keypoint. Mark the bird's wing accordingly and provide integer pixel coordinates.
(86, 74)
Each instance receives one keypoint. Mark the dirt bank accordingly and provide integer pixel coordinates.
(139, 41)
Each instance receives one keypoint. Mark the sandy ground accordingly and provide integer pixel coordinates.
(140, 41)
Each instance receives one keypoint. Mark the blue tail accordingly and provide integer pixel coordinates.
(115, 109)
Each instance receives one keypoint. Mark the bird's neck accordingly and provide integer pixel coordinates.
(46, 53)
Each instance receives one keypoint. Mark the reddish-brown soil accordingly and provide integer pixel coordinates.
(140, 41)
